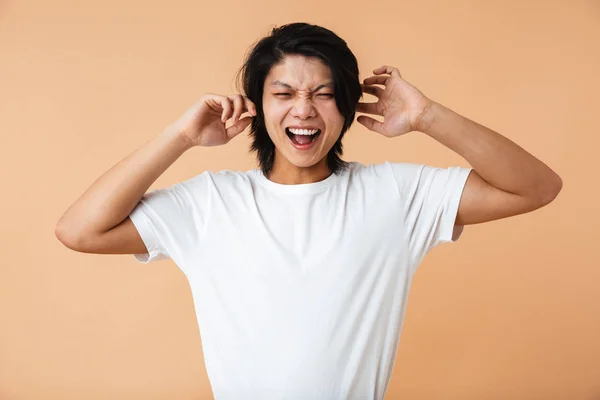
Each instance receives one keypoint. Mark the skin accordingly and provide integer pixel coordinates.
(506, 180)
(299, 92)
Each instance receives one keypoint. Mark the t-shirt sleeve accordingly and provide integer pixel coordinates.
(430, 199)
(171, 220)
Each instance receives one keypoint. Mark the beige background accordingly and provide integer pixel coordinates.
(512, 311)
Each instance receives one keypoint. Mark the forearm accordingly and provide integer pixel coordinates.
(498, 160)
(112, 197)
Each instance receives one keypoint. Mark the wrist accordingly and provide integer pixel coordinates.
(428, 116)
(177, 135)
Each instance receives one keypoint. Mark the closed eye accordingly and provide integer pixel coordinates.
(325, 95)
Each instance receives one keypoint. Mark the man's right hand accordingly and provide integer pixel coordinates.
(204, 123)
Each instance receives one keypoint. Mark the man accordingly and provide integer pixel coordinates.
(300, 270)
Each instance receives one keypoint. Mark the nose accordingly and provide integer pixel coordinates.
(303, 108)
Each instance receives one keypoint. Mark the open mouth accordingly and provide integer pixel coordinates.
(302, 136)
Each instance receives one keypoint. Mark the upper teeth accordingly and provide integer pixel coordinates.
(303, 131)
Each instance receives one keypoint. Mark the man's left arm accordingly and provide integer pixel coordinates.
(506, 180)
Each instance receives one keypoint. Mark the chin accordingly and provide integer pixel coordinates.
(305, 162)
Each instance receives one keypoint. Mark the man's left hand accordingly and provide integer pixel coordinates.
(401, 105)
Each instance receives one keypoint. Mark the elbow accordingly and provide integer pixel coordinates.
(61, 232)
(551, 189)
(66, 235)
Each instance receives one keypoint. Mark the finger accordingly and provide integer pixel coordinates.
(369, 108)
(213, 101)
(387, 69)
(374, 90)
(227, 108)
(239, 107)
(376, 80)
(371, 123)
(238, 127)
(250, 106)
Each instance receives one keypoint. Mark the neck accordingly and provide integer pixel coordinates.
(289, 174)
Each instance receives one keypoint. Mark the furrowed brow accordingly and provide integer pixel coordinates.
(278, 83)
(324, 85)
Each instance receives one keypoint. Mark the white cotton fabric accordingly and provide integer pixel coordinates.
(300, 290)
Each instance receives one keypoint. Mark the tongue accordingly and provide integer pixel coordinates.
(302, 139)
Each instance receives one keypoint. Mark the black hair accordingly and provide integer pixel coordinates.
(309, 41)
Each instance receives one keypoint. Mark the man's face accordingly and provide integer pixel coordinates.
(298, 93)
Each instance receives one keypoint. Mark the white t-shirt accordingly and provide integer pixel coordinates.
(300, 290)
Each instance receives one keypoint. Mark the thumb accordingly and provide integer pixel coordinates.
(371, 124)
(238, 127)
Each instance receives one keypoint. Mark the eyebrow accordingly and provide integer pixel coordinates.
(279, 83)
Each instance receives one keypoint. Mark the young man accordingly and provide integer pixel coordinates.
(300, 270)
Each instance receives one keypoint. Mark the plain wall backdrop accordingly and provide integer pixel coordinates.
(510, 311)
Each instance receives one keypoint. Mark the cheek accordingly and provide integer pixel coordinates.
(273, 113)
(333, 118)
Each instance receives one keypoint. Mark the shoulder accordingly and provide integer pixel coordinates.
(386, 167)
(410, 173)
(221, 177)
(411, 178)
(224, 180)
(386, 170)
(357, 168)
(231, 176)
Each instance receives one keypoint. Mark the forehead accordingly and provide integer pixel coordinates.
(299, 72)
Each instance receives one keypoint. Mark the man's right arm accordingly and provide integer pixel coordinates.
(98, 221)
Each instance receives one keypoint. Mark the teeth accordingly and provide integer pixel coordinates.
(303, 131)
